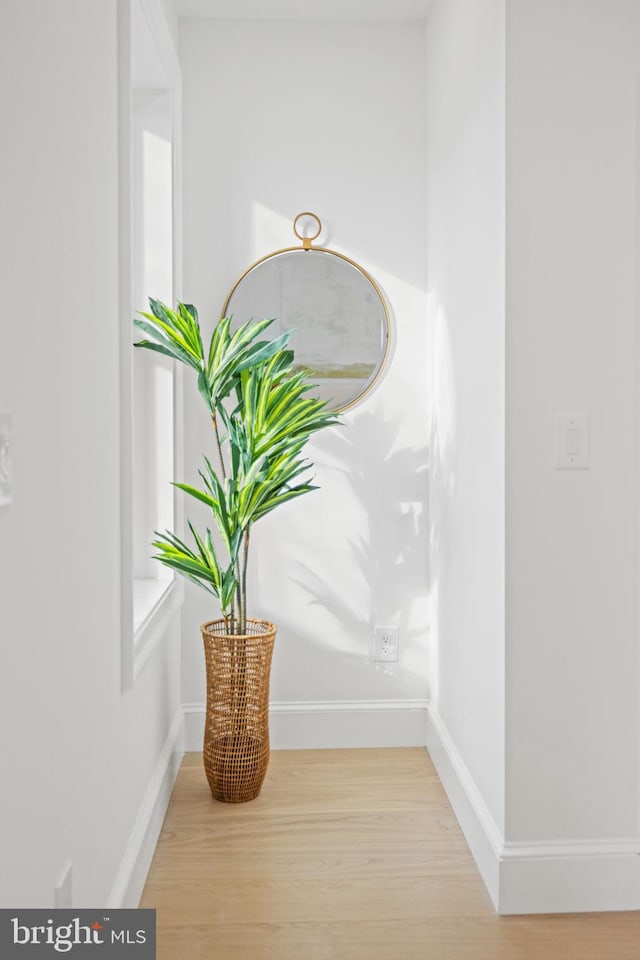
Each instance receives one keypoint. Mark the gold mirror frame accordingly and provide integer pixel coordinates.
(307, 247)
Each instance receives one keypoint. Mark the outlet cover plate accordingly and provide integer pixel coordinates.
(386, 644)
(571, 436)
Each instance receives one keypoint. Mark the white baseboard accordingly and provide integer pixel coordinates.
(478, 826)
(572, 876)
(138, 854)
(317, 725)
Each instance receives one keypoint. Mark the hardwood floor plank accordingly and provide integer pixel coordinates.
(346, 854)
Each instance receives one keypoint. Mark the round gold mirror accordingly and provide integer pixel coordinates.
(336, 309)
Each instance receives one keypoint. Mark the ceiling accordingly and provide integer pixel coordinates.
(365, 10)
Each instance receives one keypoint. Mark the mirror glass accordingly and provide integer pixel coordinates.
(337, 312)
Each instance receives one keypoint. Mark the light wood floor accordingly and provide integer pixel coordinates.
(346, 855)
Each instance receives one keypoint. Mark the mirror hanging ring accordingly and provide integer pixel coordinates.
(339, 314)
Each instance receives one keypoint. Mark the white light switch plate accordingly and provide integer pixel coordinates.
(572, 441)
(6, 463)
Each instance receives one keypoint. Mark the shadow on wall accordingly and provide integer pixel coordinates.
(354, 558)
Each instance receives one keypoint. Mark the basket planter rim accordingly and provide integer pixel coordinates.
(267, 625)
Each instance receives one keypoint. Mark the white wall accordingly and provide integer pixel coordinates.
(536, 736)
(78, 755)
(465, 229)
(171, 18)
(572, 180)
(281, 117)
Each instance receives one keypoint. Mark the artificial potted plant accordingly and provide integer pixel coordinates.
(262, 417)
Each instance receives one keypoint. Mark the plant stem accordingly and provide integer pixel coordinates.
(214, 421)
(243, 585)
(238, 600)
(235, 610)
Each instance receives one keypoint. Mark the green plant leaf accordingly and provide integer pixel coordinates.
(197, 494)
(172, 333)
(264, 415)
(174, 344)
(167, 351)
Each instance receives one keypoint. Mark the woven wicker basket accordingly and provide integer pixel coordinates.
(236, 735)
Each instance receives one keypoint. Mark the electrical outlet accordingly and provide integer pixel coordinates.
(386, 644)
(62, 889)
